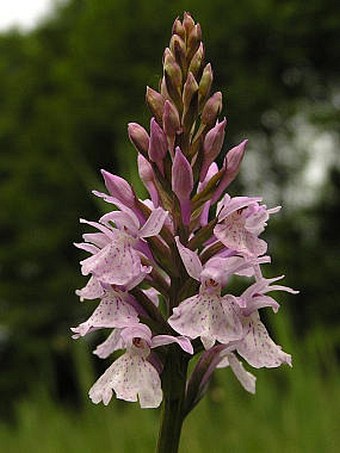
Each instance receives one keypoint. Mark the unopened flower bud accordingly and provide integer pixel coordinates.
(168, 56)
(182, 178)
(188, 23)
(190, 88)
(178, 28)
(212, 146)
(145, 169)
(177, 46)
(212, 109)
(157, 145)
(205, 85)
(197, 61)
(231, 167)
(193, 41)
(173, 77)
(138, 137)
(212, 170)
(147, 175)
(234, 158)
(171, 123)
(182, 183)
(163, 89)
(155, 102)
(119, 188)
(190, 101)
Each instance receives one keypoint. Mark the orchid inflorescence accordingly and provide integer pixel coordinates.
(162, 267)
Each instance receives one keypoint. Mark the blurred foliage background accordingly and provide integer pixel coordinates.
(69, 87)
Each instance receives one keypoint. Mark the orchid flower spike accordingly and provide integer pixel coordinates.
(162, 269)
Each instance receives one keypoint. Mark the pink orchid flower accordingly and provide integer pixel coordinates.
(240, 221)
(132, 376)
(115, 260)
(208, 314)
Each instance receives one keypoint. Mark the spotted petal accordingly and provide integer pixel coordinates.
(117, 263)
(131, 377)
(258, 348)
(209, 316)
(113, 311)
(230, 205)
(232, 233)
(92, 290)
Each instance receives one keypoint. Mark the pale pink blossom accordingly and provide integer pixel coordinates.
(240, 221)
(115, 260)
(132, 377)
(208, 314)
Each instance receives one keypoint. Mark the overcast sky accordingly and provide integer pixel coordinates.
(22, 13)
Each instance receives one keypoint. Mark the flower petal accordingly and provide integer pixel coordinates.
(257, 302)
(129, 377)
(117, 263)
(258, 348)
(246, 379)
(153, 295)
(209, 316)
(230, 205)
(123, 220)
(190, 260)
(98, 239)
(113, 342)
(93, 290)
(154, 224)
(139, 330)
(183, 342)
(232, 233)
(107, 231)
(87, 247)
(113, 311)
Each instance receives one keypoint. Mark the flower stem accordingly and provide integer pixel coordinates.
(174, 381)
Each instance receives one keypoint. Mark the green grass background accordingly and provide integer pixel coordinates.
(294, 410)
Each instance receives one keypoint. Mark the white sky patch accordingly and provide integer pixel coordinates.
(23, 14)
(320, 147)
(309, 153)
(321, 159)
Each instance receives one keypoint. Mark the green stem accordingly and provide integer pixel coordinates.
(174, 382)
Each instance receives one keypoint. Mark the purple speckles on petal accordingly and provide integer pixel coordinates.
(131, 377)
(210, 317)
(259, 349)
(112, 312)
